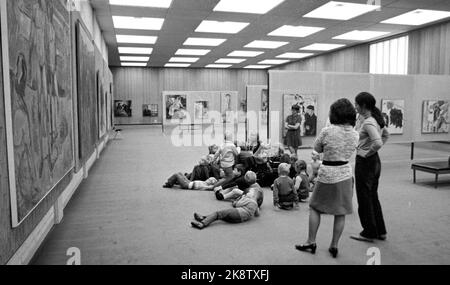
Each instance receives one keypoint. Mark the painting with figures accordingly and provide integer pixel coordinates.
(176, 106)
(122, 108)
(435, 118)
(393, 114)
(307, 104)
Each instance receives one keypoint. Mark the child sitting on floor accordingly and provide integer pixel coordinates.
(184, 183)
(315, 165)
(301, 181)
(243, 209)
(284, 192)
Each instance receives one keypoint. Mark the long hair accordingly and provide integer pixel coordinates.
(368, 101)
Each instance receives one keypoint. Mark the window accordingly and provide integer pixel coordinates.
(390, 57)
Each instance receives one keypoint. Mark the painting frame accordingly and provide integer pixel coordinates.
(175, 107)
(64, 132)
(395, 119)
(304, 101)
(123, 108)
(435, 114)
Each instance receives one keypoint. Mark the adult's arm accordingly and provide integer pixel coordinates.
(376, 140)
(318, 143)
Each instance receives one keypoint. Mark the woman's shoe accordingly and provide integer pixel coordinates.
(334, 251)
(197, 225)
(382, 237)
(305, 247)
(198, 217)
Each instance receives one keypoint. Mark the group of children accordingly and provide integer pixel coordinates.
(221, 172)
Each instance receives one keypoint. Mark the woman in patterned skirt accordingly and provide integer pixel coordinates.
(333, 192)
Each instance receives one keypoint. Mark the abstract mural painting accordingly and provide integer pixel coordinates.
(40, 101)
(435, 117)
(87, 100)
(393, 113)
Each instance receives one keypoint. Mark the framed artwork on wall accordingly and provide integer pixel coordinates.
(228, 106)
(435, 118)
(393, 113)
(176, 107)
(201, 111)
(122, 108)
(150, 110)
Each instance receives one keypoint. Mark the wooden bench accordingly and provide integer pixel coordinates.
(436, 168)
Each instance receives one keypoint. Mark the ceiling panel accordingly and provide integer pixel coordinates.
(184, 16)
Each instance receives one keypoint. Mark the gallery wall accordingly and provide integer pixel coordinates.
(146, 85)
(38, 121)
(329, 87)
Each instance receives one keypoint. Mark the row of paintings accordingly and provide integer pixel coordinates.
(123, 108)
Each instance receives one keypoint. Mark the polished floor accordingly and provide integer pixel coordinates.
(122, 215)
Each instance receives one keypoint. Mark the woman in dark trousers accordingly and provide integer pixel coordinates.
(372, 136)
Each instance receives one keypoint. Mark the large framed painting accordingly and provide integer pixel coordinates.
(123, 108)
(176, 107)
(228, 106)
(435, 118)
(263, 116)
(201, 112)
(307, 104)
(101, 101)
(393, 113)
(87, 108)
(38, 106)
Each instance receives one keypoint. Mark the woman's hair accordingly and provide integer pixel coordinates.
(367, 101)
(300, 166)
(342, 112)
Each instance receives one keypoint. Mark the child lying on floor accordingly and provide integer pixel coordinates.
(233, 191)
(243, 209)
(184, 183)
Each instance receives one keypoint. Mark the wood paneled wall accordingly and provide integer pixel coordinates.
(354, 59)
(429, 50)
(145, 85)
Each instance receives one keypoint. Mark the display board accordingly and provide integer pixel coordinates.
(404, 100)
(258, 111)
(39, 104)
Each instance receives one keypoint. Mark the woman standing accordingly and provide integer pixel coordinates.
(333, 192)
(293, 124)
(372, 136)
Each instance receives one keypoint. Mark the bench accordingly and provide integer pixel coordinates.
(436, 168)
(189, 127)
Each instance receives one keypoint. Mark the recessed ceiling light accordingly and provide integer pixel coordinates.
(341, 10)
(360, 35)
(221, 27)
(295, 55)
(218, 65)
(266, 44)
(230, 60)
(133, 23)
(243, 53)
(133, 64)
(258, 66)
(135, 50)
(418, 17)
(177, 65)
(136, 39)
(192, 51)
(142, 3)
(203, 42)
(184, 59)
(322, 47)
(273, 61)
(134, 58)
(295, 31)
(247, 6)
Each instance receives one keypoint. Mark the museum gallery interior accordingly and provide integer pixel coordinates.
(215, 132)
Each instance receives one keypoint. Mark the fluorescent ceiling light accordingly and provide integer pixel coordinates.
(247, 6)
(230, 60)
(273, 61)
(360, 35)
(322, 47)
(177, 65)
(218, 65)
(135, 50)
(134, 58)
(242, 53)
(184, 59)
(266, 44)
(295, 55)
(258, 66)
(295, 31)
(341, 10)
(133, 64)
(221, 27)
(204, 42)
(418, 17)
(192, 51)
(142, 3)
(133, 23)
(136, 39)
